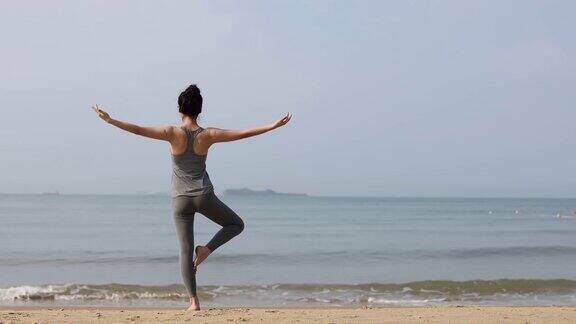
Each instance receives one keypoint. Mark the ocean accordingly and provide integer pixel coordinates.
(122, 250)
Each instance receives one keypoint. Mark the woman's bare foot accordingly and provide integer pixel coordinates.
(194, 304)
(202, 253)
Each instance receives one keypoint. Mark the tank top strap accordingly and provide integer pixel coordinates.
(198, 131)
(191, 132)
(191, 136)
(194, 133)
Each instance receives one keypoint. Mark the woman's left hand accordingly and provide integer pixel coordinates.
(102, 114)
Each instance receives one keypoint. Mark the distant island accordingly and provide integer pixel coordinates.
(267, 192)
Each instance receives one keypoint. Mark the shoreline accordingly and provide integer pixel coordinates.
(175, 308)
(401, 314)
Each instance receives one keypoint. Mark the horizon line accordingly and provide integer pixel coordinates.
(281, 193)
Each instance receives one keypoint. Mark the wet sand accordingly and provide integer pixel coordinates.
(551, 314)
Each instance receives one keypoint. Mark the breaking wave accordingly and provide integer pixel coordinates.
(418, 293)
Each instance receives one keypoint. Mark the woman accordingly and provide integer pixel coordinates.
(192, 190)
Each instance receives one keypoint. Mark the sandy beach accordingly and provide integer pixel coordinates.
(552, 314)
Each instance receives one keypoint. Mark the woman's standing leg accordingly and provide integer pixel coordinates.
(184, 220)
(232, 225)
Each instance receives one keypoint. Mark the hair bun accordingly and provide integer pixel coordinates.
(193, 90)
(190, 101)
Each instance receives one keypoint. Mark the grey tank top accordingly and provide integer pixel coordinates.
(189, 176)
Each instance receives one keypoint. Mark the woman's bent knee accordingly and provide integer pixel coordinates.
(239, 227)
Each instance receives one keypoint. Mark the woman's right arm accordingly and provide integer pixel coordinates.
(216, 135)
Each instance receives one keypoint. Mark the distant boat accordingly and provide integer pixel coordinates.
(51, 193)
(259, 193)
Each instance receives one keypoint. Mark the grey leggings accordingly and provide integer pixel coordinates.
(210, 206)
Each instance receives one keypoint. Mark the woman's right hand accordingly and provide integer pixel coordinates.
(282, 121)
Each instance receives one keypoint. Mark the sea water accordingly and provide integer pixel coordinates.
(122, 250)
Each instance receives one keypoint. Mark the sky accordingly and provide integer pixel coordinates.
(389, 98)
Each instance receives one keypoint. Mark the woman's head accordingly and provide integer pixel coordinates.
(190, 102)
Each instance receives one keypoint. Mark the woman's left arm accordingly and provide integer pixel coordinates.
(165, 133)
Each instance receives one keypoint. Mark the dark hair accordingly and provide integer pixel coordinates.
(190, 101)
